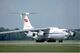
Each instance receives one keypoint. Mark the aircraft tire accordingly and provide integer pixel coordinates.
(51, 40)
(39, 40)
(60, 40)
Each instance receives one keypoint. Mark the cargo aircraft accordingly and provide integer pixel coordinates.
(49, 34)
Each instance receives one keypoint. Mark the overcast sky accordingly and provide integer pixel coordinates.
(56, 13)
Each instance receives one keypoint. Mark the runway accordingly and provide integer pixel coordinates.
(32, 46)
(33, 42)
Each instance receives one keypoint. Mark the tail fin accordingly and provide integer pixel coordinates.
(27, 24)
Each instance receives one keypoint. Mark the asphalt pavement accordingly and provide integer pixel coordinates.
(33, 42)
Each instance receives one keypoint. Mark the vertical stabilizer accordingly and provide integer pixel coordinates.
(27, 24)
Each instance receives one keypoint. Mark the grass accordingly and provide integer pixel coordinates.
(39, 47)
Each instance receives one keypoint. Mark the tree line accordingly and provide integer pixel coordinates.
(22, 36)
(13, 36)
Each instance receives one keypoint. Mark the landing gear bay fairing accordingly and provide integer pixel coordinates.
(49, 34)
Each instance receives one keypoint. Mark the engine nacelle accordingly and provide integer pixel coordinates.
(72, 33)
(29, 34)
(40, 33)
(35, 35)
(32, 34)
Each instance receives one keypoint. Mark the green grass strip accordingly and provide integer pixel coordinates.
(39, 48)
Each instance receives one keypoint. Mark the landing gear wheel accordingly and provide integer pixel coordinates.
(60, 40)
(51, 40)
(39, 40)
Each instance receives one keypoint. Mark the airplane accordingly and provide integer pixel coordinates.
(49, 34)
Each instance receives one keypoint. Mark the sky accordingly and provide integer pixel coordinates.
(49, 13)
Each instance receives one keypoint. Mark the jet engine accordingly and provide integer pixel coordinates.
(72, 33)
(40, 33)
(32, 34)
(29, 34)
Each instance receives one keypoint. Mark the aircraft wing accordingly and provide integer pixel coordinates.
(32, 30)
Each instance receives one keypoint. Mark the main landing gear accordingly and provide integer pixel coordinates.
(49, 40)
(40, 40)
(60, 40)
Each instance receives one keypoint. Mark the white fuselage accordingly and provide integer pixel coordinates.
(53, 33)
(56, 33)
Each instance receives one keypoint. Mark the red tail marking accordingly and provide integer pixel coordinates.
(25, 20)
